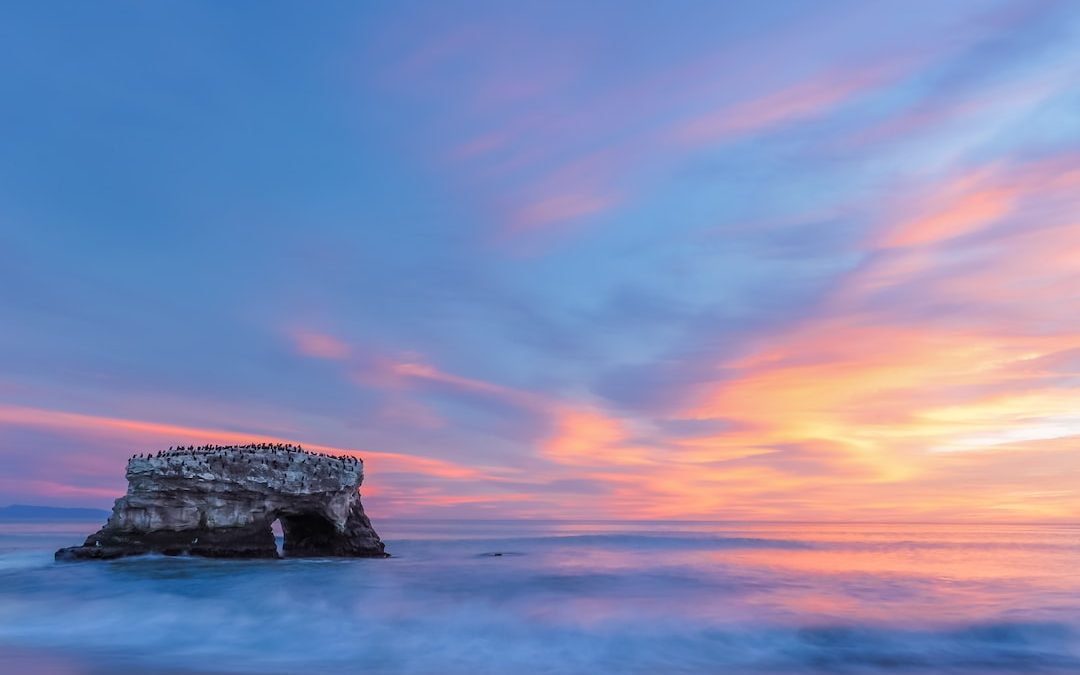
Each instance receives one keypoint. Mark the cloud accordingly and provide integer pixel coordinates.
(558, 209)
(320, 345)
(980, 199)
(140, 433)
(796, 103)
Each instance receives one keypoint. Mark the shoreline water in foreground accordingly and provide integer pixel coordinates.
(564, 597)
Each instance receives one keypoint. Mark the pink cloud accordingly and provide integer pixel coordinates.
(57, 490)
(788, 105)
(136, 433)
(558, 209)
(412, 367)
(573, 193)
(992, 108)
(320, 345)
(917, 224)
(962, 206)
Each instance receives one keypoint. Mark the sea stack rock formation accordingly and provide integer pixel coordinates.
(221, 501)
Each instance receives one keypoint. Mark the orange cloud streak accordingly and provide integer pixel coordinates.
(137, 431)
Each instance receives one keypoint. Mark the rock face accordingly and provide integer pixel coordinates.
(222, 501)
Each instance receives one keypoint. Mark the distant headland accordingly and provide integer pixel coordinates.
(222, 500)
(24, 513)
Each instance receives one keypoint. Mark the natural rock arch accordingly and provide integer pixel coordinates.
(222, 501)
(307, 533)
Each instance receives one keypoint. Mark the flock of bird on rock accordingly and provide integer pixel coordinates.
(179, 450)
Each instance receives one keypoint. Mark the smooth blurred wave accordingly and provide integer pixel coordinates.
(564, 597)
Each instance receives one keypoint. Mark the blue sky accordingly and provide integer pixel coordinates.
(596, 259)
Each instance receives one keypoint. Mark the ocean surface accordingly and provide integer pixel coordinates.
(562, 597)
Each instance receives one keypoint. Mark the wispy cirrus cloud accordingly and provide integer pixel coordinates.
(805, 100)
(585, 138)
(320, 345)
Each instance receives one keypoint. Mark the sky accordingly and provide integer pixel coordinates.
(694, 260)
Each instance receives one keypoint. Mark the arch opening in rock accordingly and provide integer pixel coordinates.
(308, 534)
(279, 536)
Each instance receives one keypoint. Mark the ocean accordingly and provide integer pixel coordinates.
(562, 597)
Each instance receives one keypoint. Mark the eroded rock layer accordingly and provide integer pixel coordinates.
(222, 501)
